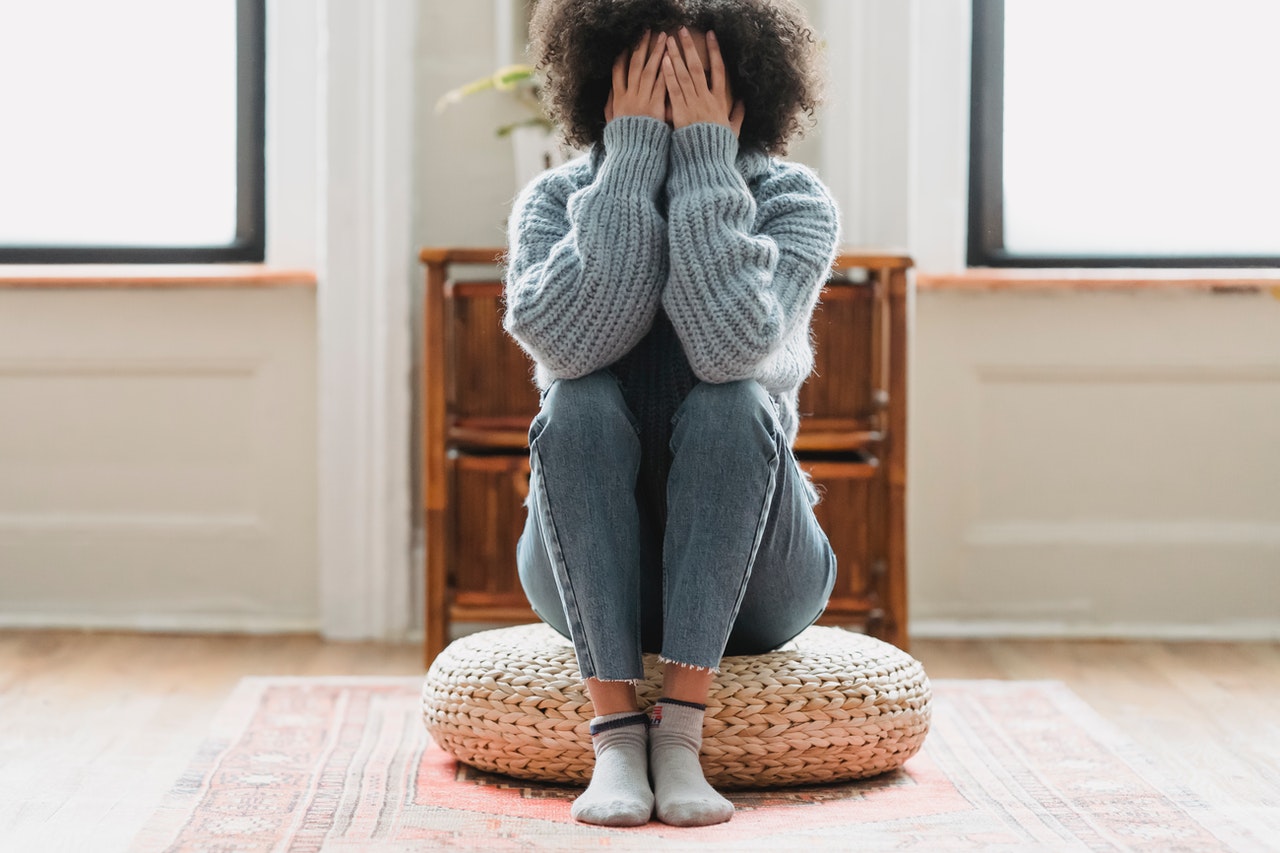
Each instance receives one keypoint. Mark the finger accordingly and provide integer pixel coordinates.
(717, 63)
(658, 97)
(691, 59)
(655, 56)
(668, 76)
(638, 55)
(619, 75)
(653, 68)
(679, 71)
(657, 43)
(672, 81)
(679, 104)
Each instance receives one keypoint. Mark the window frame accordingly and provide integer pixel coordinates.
(985, 237)
(249, 243)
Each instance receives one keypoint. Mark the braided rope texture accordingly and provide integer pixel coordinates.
(829, 706)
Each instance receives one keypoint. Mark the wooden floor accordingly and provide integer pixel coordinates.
(94, 727)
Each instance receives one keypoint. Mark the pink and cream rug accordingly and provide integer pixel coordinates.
(323, 764)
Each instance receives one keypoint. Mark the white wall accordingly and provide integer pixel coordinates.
(1063, 480)
(158, 446)
(1096, 464)
(464, 175)
(312, 499)
(1079, 463)
(157, 458)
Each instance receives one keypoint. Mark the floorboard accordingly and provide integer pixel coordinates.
(96, 726)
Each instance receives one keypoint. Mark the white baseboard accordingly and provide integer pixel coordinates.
(933, 629)
(1004, 629)
(456, 630)
(1001, 629)
(167, 623)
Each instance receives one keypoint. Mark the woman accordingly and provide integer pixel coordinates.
(664, 285)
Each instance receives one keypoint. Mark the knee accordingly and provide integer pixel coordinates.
(739, 413)
(583, 411)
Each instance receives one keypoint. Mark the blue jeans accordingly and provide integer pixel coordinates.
(738, 565)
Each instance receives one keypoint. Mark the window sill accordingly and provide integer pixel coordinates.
(152, 276)
(989, 279)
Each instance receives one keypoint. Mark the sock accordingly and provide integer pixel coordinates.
(683, 795)
(619, 793)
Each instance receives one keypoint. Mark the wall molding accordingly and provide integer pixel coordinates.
(1110, 533)
(366, 272)
(1026, 629)
(1125, 373)
(167, 622)
(179, 523)
(41, 366)
(1001, 629)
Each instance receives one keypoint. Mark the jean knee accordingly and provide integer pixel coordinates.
(588, 411)
(744, 399)
(740, 412)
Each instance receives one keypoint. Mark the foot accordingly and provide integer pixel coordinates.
(619, 793)
(682, 794)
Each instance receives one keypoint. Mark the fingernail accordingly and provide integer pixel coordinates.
(711, 34)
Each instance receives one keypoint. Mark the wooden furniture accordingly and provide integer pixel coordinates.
(478, 399)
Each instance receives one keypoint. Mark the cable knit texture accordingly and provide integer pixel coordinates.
(654, 231)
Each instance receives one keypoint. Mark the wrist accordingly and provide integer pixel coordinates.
(703, 153)
(636, 152)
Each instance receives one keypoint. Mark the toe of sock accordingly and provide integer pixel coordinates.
(696, 812)
(613, 813)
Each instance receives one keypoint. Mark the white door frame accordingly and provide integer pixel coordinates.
(366, 270)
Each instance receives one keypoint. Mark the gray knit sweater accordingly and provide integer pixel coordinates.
(732, 246)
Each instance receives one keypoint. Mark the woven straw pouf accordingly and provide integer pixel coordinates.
(828, 706)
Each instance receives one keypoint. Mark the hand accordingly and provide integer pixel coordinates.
(692, 100)
(638, 88)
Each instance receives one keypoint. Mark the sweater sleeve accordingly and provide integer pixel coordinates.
(586, 265)
(744, 275)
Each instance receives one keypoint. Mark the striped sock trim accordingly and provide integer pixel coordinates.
(633, 720)
(666, 701)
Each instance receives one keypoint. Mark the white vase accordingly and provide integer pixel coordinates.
(536, 150)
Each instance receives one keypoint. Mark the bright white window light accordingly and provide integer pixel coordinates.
(1142, 127)
(119, 122)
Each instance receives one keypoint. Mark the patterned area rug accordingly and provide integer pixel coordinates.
(345, 764)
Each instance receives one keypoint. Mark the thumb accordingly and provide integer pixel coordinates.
(735, 117)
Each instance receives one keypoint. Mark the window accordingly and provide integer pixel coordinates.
(1125, 133)
(133, 131)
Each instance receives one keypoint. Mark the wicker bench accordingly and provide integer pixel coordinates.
(829, 706)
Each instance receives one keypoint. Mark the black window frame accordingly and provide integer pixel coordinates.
(249, 243)
(986, 170)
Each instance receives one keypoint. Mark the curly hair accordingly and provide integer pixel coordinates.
(770, 54)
